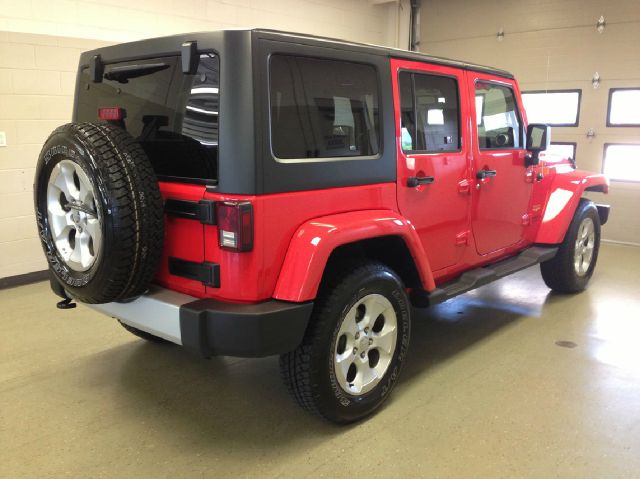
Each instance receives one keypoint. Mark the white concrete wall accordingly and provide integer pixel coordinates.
(40, 41)
(122, 20)
(553, 44)
(37, 77)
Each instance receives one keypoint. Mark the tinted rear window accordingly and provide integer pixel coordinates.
(174, 116)
(323, 108)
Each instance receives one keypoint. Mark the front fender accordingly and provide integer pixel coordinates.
(315, 240)
(564, 195)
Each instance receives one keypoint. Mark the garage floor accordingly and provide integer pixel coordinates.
(507, 381)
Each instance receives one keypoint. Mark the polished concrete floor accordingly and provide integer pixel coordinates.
(508, 381)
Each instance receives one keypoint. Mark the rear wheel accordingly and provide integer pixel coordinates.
(571, 269)
(354, 347)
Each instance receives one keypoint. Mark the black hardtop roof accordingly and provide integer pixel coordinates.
(171, 44)
(378, 50)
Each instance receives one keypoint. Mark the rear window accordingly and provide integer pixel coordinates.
(323, 109)
(174, 116)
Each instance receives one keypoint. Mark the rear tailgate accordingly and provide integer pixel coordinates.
(184, 238)
(174, 116)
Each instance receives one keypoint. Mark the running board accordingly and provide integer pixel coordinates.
(475, 278)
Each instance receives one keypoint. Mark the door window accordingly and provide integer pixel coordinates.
(498, 120)
(430, 113)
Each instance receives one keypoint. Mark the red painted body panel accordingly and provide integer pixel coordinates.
(440, 211)
(501, 202)
(565, 188)
(315, 240)
(251, 276)
(183, 238)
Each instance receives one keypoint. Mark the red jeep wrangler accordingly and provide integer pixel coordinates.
(251, 193)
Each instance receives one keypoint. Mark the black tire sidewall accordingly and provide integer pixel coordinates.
(333, 401)
(559, 273)
(64, 145)
(586, 210)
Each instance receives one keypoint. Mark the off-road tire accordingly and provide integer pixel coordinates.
(143, 334)
(308, 371)
(130, 207)
(559, 273)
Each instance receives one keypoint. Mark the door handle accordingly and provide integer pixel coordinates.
(482, 174)
(414, 181)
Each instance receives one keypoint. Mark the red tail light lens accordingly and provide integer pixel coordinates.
(235, 225)
(111, 113)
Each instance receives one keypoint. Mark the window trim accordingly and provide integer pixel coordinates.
(567, 90)
(604, 158)
(327, 159)
(515, 98)
(618, 125)
(413, 71)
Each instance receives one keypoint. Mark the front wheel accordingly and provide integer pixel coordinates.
(354, 347)
(572, 267)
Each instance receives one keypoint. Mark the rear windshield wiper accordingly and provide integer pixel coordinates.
(122, 74)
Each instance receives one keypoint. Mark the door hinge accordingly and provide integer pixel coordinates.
(464, 186)
(462, 239)
(207, 273)
(529, 176)
(203, 210)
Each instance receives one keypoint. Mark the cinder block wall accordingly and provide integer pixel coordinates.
(40, 42)
(37, 77)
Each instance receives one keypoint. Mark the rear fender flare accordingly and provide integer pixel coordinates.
(562, 201)
(314, 241)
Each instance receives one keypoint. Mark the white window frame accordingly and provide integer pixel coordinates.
(550, 92)
(620, 178)
(612, 92)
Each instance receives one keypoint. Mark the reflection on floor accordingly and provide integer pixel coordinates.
(492, 388)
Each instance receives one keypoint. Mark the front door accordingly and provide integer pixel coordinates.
(502, 182)
(432, 148)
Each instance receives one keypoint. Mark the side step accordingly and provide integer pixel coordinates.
(475, 278)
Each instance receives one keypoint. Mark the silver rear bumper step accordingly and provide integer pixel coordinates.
(157, 312)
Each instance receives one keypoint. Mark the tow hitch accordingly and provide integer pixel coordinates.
(67, 302)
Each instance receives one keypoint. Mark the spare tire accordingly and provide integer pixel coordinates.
(99, 212)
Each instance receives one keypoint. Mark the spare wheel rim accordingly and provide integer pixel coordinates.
(74, 216)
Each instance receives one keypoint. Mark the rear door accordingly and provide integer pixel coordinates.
(433, 164)
(174, 117)
(503, 184)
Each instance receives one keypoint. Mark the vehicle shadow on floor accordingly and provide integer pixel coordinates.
(226, 402)
(443, 331)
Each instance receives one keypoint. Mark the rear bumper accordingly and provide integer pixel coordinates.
(209, 327)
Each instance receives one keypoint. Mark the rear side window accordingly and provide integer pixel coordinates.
(323, 108)
(174, 116)
(497, 117)
(430, 114)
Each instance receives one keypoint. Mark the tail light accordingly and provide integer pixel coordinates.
(111, 113)
(235, 225)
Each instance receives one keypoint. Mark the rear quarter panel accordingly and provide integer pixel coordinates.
(252, 276)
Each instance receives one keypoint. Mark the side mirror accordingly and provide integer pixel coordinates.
(538, 139)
